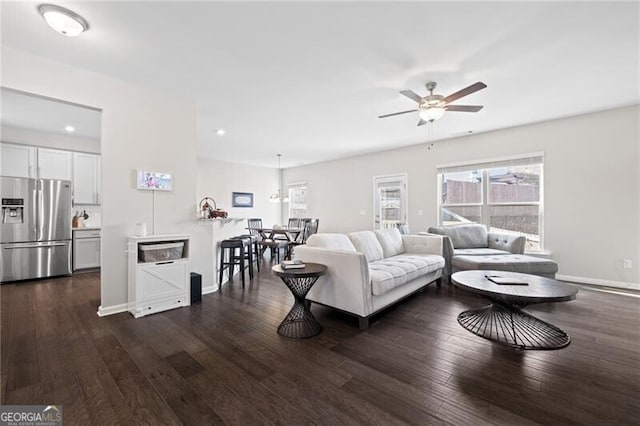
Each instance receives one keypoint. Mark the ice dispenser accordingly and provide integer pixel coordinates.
(13, 210)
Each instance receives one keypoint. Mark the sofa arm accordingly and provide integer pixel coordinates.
(346, 285)
(427, 244)
(509, 242)
(447, 251)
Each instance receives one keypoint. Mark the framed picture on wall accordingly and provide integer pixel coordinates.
(242, 199)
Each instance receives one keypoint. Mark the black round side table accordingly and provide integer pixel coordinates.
(300, 322)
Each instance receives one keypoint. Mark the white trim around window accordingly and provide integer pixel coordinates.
(298, 199)
(470, 199)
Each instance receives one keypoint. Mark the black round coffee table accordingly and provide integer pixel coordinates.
(504, 321)
(300, 322)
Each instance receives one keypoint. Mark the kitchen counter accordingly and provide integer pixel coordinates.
(86, 228)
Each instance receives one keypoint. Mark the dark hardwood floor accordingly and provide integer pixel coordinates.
(221, 361)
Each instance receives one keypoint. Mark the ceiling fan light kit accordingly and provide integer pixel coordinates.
(430, 113)
(432, 107)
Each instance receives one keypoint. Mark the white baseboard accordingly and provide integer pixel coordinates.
(601, 282)
(210, 289)
(110, 310)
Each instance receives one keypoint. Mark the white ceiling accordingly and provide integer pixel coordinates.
(309, 79)
(47, 115)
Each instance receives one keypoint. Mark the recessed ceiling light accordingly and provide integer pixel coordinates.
(63, 20)
(69, 129)
(220, 132)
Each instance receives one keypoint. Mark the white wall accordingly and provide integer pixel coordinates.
(218, 179)
(141, 128)
(23, 136)
(591, 193)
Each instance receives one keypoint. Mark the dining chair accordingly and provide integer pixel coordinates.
(304, 225)
(293, 223)
(312, 229)
(274, 246)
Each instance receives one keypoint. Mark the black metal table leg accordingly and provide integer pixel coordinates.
(299, 322)
(509, 325)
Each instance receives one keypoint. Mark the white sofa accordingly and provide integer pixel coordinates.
(368, 271)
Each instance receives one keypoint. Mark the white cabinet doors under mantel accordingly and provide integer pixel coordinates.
(18, 160)
(156, 286)
(86, 178)
(54, 164)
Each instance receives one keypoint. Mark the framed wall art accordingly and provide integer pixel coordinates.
(242, 199)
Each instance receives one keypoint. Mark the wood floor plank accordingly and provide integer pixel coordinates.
(227, 406)
(138, 394)
(24, 369)
(391, 403)
(274, 408)
(184, 364)
(313, 404)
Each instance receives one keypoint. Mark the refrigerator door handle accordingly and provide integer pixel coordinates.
(22, 246)
(39, 209)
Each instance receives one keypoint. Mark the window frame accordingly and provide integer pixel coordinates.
(484, 168)
(293, 187)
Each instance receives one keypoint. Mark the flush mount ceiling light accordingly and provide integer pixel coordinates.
(63, 20)
(220, 132)
(69, 129)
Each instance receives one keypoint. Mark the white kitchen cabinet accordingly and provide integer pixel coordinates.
(160, 285)
(54, 164)
(17, 160)
(86, 178)
(86, 249)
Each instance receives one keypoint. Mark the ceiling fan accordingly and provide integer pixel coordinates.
(432, 107)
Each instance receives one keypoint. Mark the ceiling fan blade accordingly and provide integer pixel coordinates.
(464, 92)
(412, 95)
(464, 108)
(422, 122)
(396, 113)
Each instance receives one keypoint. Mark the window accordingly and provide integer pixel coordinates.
(298, 200)
(505, 195)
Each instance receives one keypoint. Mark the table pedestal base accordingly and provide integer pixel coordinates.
(509, 325)
(299, 322)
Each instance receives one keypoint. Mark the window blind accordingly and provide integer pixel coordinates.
(510, 161)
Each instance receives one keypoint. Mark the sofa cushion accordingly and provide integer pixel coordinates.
(331, 241)
(391, 241)
(464, 236)
(387, 274)
(366, 243)
(479, 252)
(507, 262)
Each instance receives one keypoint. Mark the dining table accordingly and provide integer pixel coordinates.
(290, 234)
(284, 234)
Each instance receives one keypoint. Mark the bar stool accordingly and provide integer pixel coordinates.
(255, 246)
(248, 246)
(230, 247)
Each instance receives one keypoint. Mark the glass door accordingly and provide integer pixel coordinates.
(390, 201)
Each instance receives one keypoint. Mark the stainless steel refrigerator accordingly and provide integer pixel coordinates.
(35, 232)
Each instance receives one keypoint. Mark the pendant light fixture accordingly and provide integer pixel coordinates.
(63, 20)
(278, 197)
